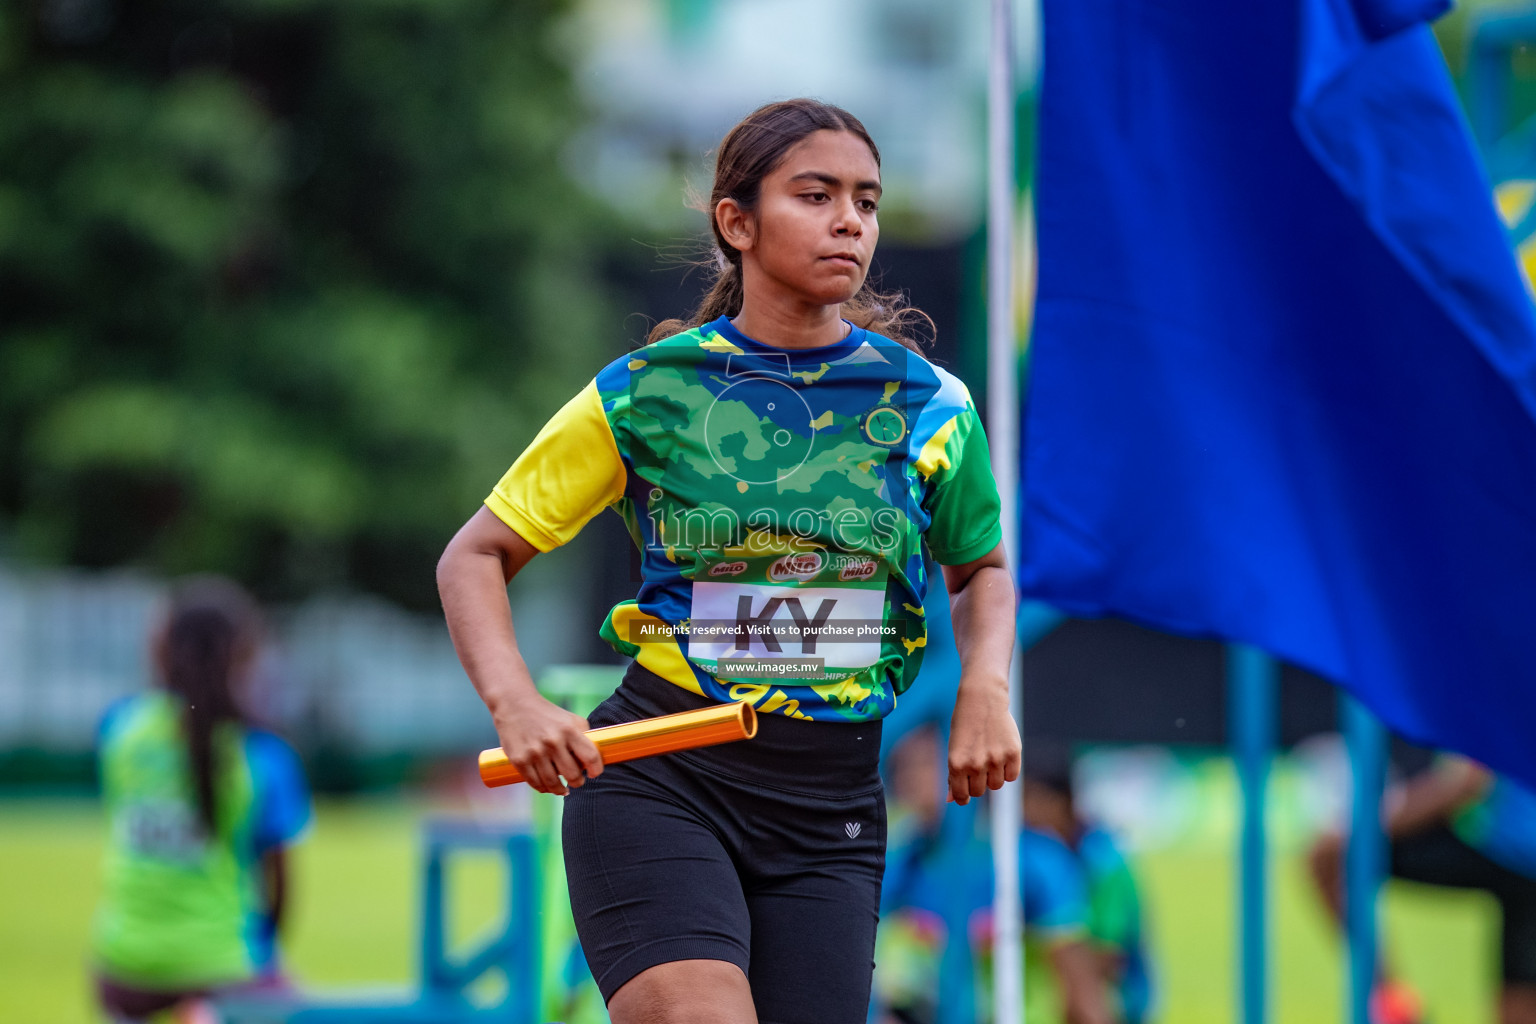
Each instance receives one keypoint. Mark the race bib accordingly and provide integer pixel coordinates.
(809, 615)
(162, 830)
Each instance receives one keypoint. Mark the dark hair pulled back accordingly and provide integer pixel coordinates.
(211, 631)
(747, 155)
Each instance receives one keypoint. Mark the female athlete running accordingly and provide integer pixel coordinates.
(781, 460)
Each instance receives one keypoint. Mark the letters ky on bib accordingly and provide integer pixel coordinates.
(780, 500)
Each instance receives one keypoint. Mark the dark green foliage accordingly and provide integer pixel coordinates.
(284, 284)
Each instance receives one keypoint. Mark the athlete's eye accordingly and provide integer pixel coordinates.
(869, 205)
(817, 196)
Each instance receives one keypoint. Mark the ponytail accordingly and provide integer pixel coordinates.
(209, 636)
(724, 298)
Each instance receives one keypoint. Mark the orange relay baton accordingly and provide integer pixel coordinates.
(706, 727)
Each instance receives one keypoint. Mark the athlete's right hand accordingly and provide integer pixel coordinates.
(546, 742)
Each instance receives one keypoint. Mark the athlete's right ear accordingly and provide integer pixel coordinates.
(735, 226)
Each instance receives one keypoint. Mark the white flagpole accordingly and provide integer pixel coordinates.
(1003, 435)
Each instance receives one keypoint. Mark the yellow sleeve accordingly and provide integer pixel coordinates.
(569, 473)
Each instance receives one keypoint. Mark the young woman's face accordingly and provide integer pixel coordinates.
(814, 231)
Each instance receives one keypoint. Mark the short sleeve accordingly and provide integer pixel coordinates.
(569, 473)
(1055, 889)
(1116, 908)
(107, 729)
(282, 794)
(962, 503)
(112, 719)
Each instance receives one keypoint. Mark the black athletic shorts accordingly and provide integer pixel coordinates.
(766, 853)
(1439, 857)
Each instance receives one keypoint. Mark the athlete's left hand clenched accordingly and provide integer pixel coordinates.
(984, 746)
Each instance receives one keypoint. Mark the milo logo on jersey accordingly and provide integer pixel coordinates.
(801, 616)
(857, 569)
(807, 565)
(800, 565)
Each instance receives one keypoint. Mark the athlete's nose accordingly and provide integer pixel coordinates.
(848, 221)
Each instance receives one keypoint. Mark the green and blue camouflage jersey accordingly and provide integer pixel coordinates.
(780, 500)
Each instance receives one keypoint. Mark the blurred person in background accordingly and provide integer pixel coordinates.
(910, 940)
(1114, 923)
(1459, 825)
(201, 806)
(928, 874)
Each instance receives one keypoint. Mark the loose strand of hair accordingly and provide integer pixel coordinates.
(723, 298)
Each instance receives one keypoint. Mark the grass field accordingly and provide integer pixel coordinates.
(355, 908)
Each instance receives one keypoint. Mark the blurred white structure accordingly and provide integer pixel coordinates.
(349, 671)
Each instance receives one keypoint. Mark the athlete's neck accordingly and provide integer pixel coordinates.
(802, 327)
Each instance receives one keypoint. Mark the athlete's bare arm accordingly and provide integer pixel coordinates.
(544, 741)
(1082, 987)
(984, 746)
(1433, 796)
(274, 879)
(1427, 799)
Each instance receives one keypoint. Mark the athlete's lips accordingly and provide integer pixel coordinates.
(843, 257)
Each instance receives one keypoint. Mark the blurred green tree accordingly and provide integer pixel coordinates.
(284, 284)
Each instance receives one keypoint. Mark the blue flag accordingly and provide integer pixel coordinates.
(1283, 377)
